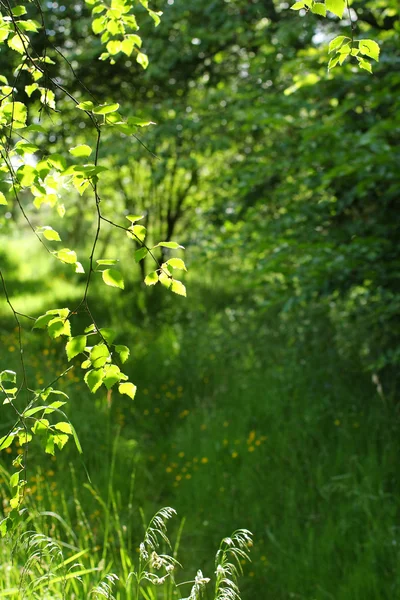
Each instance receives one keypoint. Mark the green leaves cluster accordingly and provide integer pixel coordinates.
(33, 421)
(343, 46)
(117, 26)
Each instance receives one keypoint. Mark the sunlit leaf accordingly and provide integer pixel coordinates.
(113, 278)
(127, 388)
(75, 346)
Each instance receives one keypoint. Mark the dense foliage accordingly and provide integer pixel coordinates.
(257, 136)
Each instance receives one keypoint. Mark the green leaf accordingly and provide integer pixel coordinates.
(364, 64)
(14, 479)
(59, 327)
(42, 321)
(164, 279)
(75, 346)
(336, 7)
(333, 62)
(134, 218)
(172, 245)
(108, 334)
(66, 256)
(3, 199)
(127, 388)
(50, 234)
(142, 59)
(337, 42)
(6, 441)
(99, 355)
(8, 375)
(113, 47)
(49, 446)
(151, 278)
(139, 122)
(369, 48)
(64, 427)
(94, 379)
(105, 109)
(113, 278)
(87, 105)
(81, 150)
(178, 288)
(298, 6)
(19, 10)
(19, 43)
(176, 263)
(140, 254)
(112, 376)
(139, 232)
(123, 352)
(107, 261)
(60, 440)
(319, 9)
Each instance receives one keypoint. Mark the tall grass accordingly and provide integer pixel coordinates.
(242, 418)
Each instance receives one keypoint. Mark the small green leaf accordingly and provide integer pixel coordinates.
(333, 62)
(113, 278)
(337, 42)
(107, 261)
(59, 327)
(369, 48)
(75, 346)
(49, 233)
(142, 59)
(67, 256)
(336, 7)
(60, 440)
(139, 232)
(3, 199)
(140, 254)
(88, 105)
(123, 352)
(112, 376)
(127, 388)
(176, 263)
(113, 47)
(14, 479)
(172, 245)
(164, 279)
(298, 6)
(6, 441)
(364, 64)
(151, 278)
(319, 9)
(139, 122)
(105, 109)
(99, 355)
(19, 43)
(19, 10)
(108, 334)
(134, 218)
(42, 321)
(49, 447)
(81, 150)
(64, 427)
(94, 379)
(178, 288)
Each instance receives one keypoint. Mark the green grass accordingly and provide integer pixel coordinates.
(240, 420)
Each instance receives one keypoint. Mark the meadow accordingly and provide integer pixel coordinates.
(241, 419)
